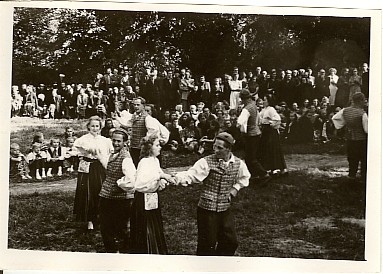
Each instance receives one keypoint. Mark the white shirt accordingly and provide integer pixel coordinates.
(242, 120)
(339, 121)
(148, 175)
(200, 170)
(269, 116)
(129, 170)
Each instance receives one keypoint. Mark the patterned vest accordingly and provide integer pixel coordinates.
(110, 189)
(354, 125)
(252, 124)
(216, 187)
(138, 130)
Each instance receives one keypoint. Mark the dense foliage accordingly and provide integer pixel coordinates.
(80, 43)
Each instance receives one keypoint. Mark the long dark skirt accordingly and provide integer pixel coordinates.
(87, 190)
(146, 228)
(270, 152)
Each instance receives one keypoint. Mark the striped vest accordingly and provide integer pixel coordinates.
(354, 125)
(217, 185)
(110, 189)
(253, 122)
(138, 130)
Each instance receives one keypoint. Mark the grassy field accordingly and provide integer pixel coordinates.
(313, 213)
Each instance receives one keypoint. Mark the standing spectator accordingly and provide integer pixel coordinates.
(222, 175)
(235, 88)
(152, 91)
(147, 232)
(16, 102)
(342, 97)
(116, 196)
(365, 80)
(355, 82)
(248, 123)
(82, 102)
(270, 154)
(205, 91)
(355, 120)
(94, 151)
(70, 103)
(170, 92)
(217, 91)
(321, 85)
(106, 80)
(287, 90)
(333, 85)
(30, 105)
(91, 107)
(263, 83)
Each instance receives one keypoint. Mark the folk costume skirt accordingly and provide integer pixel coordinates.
(146, 228)
(270, 152)
(86, 200)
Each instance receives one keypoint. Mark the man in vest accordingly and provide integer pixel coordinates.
(355, 120)
(248, 122)
(141, 125)
(116, 196)
(222, 175)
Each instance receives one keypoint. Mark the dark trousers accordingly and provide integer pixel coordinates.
(114, 224)
(135, 154)
(251, 157)
(357, 152)
(216, 233)
(55, 165)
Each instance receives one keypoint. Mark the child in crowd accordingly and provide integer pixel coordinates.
(69, 132)
(71, 155)
(36, 160)
(55, 159)
(18, 166)
(39, 138)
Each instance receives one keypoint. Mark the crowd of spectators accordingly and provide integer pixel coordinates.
(195, 110)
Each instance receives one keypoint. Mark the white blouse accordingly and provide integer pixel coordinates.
(88, 144)
(269, 116)
(148, 175)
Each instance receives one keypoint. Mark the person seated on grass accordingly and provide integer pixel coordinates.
(207, 141)
(71, 155)
(329, 130)
(55, 159)
(39, 138)
(190, 135)
(18, 166)
(36, 161)
(174, 136)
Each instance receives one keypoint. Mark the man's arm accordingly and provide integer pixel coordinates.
(338, 120)
(242, 120)
(196, 174)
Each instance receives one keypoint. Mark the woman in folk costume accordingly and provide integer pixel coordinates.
(147, 232)
(270, 151)
(94, 151)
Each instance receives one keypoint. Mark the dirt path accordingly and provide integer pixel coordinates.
(328, 165)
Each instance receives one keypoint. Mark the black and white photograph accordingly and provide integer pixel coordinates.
(251, 135)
